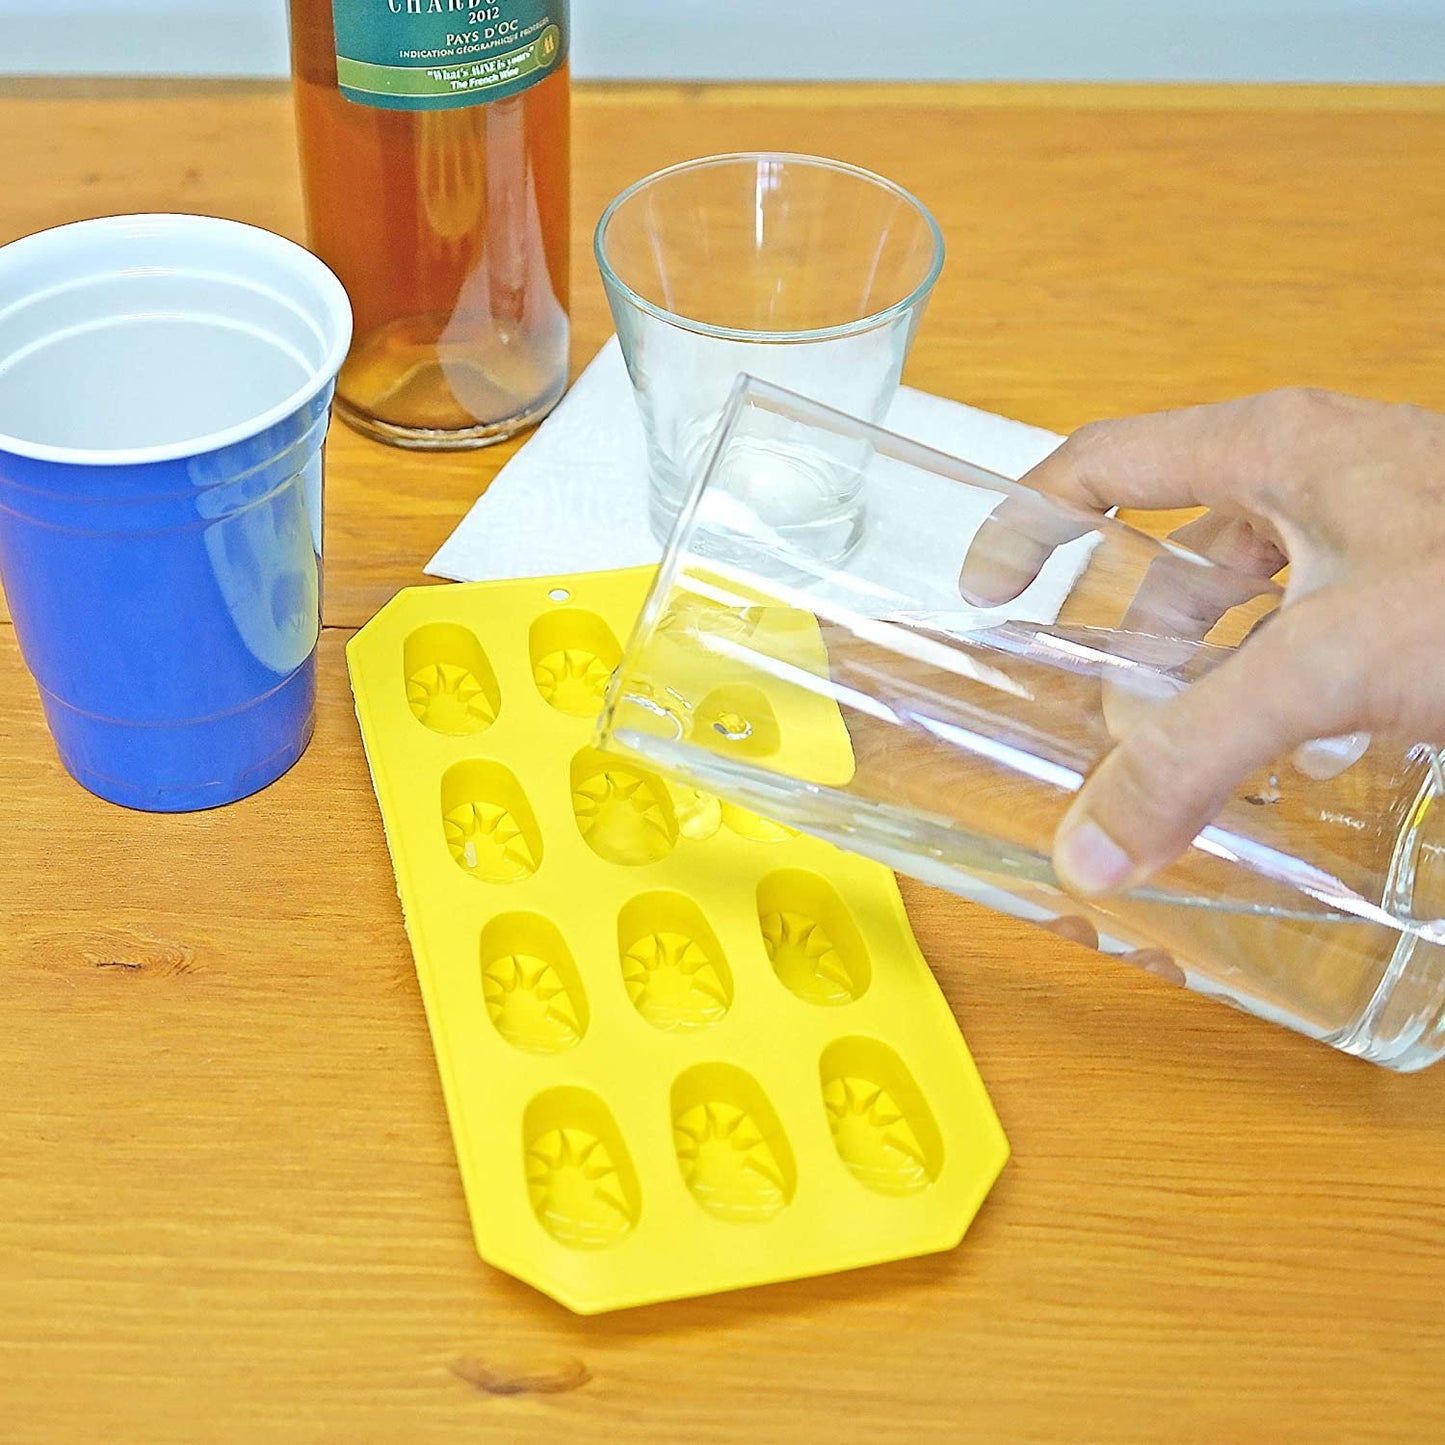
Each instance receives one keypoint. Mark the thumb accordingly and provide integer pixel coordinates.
(1301, 678)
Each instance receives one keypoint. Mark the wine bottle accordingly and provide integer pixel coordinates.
(434, 141)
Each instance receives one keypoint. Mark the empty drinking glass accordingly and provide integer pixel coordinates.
(805, 272)
(865, 700)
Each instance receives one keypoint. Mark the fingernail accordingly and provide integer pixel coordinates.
(982, 586)
(1326, 758)
(1090, 862)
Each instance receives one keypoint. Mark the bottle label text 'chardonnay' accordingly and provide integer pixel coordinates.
(443, 54)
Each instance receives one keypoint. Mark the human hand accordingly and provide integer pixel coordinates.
(1351, 495)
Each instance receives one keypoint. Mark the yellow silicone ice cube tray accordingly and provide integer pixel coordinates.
(683, 1049)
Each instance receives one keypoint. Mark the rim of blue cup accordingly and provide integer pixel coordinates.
(332, 319)
(736, 333)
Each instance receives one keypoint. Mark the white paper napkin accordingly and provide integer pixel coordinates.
(574, 498)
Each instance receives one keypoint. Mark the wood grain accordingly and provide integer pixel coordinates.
(229, 1207)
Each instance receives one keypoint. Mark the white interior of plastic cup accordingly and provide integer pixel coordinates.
(139, 339)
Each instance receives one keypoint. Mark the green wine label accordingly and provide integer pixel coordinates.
(441, 54)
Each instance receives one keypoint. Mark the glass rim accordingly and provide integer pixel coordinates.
(736, 333)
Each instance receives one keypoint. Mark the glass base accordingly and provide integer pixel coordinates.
(808, 501)
(437, 439)
(1403, 1025)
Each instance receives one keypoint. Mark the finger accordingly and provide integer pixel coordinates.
(1179, 599)
(1320, 759)
(1010, 549)
(1159, 963)
(1174, 605)
(1178, 604)
(1232, 541)
(1202, 456)
(1075, 929)
(1129, 696)
(1169, 777)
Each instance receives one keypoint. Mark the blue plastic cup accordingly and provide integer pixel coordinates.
(165, 388)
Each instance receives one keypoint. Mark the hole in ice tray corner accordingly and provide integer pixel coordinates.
(533, 992)
(450, 685)
(580, 1177)
(881, 1124)
(573, 654)
(624, 814)
(734, 1156)
(672, 964)
(489, 826)
(811, 939)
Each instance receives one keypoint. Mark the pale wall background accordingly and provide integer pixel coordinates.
(1365, 40)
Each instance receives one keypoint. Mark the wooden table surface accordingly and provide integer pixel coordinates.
(229, 1207)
